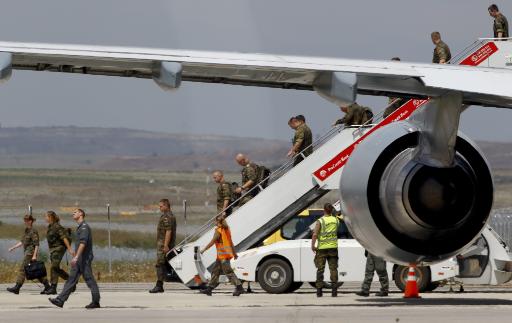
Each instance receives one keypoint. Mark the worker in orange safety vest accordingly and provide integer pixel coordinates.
(225, 252)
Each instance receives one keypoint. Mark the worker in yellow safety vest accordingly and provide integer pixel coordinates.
(225, 252)
(326, 232)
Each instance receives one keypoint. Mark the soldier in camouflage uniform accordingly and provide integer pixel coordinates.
(249, 179)
(30, 243)
(374, 263)
(302, 140)
(442, 54)
(355, 114)
(224, 193)
(393, 103)
(500, 25)
(58, 241)
(165, 241)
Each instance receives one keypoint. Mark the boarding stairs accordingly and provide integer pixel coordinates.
(292, 189)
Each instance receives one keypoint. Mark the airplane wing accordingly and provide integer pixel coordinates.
(480, 86)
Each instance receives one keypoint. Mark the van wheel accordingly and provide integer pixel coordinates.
(422, 277)
(275, 276)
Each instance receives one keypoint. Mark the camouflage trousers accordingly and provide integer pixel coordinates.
(374, 263)
(331, 257)
(160, 265)
(223, 266)
(55, 270)
(20, 279)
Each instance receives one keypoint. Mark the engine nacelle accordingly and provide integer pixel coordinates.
(407, 212)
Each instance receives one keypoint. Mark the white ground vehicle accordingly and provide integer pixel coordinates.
(285, 265)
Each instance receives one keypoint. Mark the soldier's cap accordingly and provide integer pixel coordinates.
(29, 217)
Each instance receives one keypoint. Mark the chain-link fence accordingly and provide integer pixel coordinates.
(501, 221)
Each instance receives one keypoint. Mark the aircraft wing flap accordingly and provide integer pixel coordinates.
(480, 85)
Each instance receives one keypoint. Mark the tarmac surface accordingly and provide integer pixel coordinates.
(132, 303)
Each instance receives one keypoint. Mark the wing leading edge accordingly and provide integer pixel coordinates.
(480, 86)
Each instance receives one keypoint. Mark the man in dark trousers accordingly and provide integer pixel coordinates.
(81, 265)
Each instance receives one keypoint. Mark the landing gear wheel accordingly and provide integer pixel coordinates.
(275, 276)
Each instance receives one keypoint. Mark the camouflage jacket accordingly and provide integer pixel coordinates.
(304, 137)
(55, 236)
(223, 193)
(250, 173)
(167, 222)
(30, 240)
(441, 52)
(356, 115)
(500, 26)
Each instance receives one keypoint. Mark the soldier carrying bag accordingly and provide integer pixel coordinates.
(35, 270)
(263, 176)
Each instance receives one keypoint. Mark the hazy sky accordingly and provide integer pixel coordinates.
(352, 29)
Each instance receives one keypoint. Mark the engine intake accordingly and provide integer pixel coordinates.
(408, 212)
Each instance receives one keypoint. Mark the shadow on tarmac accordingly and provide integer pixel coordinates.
(389, 302)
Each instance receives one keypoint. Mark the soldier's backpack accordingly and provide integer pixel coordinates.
(263, 176)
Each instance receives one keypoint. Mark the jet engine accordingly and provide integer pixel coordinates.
(409, 212)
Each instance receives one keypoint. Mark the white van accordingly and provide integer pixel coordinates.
(283, 266)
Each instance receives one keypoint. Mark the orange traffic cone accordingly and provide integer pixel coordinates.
(411, 288)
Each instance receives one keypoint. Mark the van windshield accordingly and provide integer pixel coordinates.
(298, 225)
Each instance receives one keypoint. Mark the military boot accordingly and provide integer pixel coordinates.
(239, 290)
(319, 292)
(56, 301)
(15, 289)
(363, 293)
(382, 293)
(159, 287)
(52, 290)
(46, 288)
(334, 291)
(93, 305)
(207, 291)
